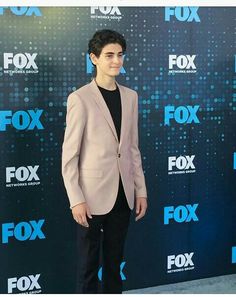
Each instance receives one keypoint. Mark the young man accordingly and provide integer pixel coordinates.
(101, 164)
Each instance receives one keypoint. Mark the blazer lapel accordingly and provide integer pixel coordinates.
(103, 107)
(124, 112)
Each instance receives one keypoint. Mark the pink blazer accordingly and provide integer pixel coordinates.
(92, 156)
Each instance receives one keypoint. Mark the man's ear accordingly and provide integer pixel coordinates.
(93, 58)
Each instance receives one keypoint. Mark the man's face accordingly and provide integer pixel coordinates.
(110, 60)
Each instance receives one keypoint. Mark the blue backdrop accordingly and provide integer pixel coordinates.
(181, 61)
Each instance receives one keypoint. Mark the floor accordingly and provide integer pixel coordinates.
(225, 284)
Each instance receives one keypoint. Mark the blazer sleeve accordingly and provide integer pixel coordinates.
(139, 179)
(75, 123)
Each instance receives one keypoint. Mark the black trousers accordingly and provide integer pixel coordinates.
(108, 244)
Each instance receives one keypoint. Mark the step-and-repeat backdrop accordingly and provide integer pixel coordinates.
(181, 61)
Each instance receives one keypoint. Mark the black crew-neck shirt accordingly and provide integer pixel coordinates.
(113, 101)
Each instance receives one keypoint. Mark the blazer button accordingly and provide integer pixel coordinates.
(118, 155)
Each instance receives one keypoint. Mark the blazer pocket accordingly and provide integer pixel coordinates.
(91, 173)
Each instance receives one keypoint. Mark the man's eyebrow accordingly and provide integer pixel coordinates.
(112, 53)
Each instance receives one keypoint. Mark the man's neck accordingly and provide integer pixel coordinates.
(108, 83)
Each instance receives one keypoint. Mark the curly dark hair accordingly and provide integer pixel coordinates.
(103, 37)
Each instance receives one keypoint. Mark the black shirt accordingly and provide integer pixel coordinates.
(113, 101)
